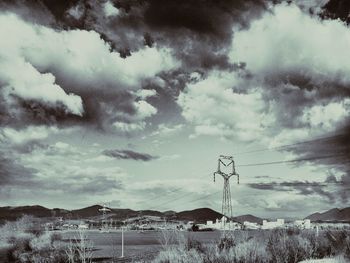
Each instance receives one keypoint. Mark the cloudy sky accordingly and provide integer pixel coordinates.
(130, 103)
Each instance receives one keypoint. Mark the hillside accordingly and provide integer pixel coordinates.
(249, 218)
(12, 213)
(199, 215)
(334, 214)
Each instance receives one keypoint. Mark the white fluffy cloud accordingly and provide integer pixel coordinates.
(327, 117)
(215, 108)
(283, 50)
(22, 80)
(146, 93)
(144, 109)
(289, 41)
(300, 62)
(91, 64)
(10, 135)
(110, 10)
(33, 58)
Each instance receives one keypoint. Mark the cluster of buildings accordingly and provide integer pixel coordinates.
(157, 223)
(225, 224)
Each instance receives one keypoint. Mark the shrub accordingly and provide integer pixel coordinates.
(250, 251)
(175, 255)
(276, 246)
(80, 249)
(347, 248)
(41, 242)
(284, 247)
(227, 241)
(319, 246)
(194, 244)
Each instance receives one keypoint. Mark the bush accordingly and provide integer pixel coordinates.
(226, 242)
(276, 246)
(41, 242)
(285, 247)
(28, 244)
(194, 244)
(347, 248)
(250, 251)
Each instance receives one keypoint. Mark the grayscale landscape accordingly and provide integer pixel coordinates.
(175, 131)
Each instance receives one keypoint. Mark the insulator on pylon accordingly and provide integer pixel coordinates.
(237, 178)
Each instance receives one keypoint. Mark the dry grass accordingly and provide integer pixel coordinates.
(276, 246)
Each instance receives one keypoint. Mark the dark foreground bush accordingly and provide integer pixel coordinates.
(194, 244)
(31, 248)
(227, 241)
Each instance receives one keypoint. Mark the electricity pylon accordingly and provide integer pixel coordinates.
(104, 211)
(226, 194)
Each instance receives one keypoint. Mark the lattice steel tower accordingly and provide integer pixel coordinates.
(104, 210)
(226, 161)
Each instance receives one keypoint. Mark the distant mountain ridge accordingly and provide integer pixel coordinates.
(200, 215)
(334, 214)
(249, 218)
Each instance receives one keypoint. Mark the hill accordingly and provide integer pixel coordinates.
(249, 218)
(92, 212)
(200, 215)
(12, 213)
(334, 214)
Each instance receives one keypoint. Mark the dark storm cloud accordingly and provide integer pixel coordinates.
(336, 150)
(207, 17)
(92, 185)
(55, 13)
(21, 113)
(129, 155)
(337, 147)
(198, 31)
(337, 9)
(34, 11)
(12, 173)
(302, 187)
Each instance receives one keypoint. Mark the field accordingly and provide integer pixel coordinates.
(136, 244)
(20, 242)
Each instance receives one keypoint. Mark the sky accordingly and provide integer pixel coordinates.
(130, 103)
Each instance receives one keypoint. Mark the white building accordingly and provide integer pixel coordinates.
(251, 225)
(303, 224)
(272, 224)
(223, 224)
(83, 226)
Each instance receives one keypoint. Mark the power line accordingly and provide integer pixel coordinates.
(293, 161)
(157, 197)
(170, 201)
(290, 145)
(291, 184)
(200, 198)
